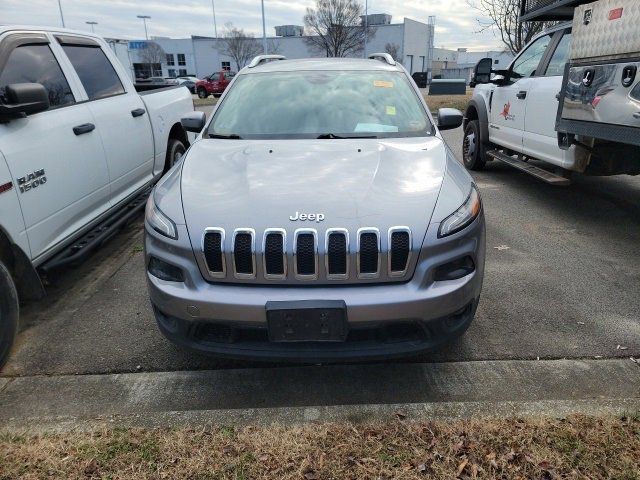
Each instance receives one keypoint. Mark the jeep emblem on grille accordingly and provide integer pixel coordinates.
(311, 217)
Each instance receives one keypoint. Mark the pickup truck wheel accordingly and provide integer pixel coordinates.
(175, 151)
(473, 150)
(9, 309)
(202, 93)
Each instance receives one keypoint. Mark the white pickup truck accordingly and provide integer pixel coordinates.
(569, 101)
(79, 147)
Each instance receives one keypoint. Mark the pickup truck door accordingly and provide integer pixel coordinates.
(120, 114)
(508, 104)
(540, 138)
(55, 157)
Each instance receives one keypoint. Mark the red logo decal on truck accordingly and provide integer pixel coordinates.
(616, 13)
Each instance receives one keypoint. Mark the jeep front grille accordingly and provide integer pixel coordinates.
(244, 253)
(212, 243)
(306, 254)
(305, 257)
(399, 251)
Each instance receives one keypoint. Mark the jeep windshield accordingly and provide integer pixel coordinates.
(321, 104)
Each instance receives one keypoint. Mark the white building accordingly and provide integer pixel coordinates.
(201, 55)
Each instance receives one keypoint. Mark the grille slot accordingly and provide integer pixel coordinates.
(212, 246)
(399, 250)
(275, 259)
(368, 253)
(244, 253)
(306, 254)
(337, 262)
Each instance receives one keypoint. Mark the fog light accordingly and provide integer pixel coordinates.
(165, 271)
(454, 270)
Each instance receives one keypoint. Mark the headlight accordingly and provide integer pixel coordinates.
(158, 220)
(463, 216)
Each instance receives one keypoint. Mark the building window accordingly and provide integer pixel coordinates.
(226, 66)
(182, 72)
(171, 72)
(170, 60)
(496, 62)
(181, 60)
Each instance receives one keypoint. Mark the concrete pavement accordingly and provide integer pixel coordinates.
(337, 392)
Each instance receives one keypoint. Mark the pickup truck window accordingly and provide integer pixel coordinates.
(37, 64)
(527, 62)
(560, 57)
(96, 73)
(321, 104)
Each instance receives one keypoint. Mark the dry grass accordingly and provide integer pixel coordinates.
(452, 101)
(203, 102)
(578, 447)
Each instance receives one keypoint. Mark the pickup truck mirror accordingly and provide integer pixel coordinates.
(449, 118)
(482, 72)
(194, 122)
(22, 99)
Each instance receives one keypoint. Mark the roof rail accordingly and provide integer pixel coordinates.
(385, 57)
(265, 58)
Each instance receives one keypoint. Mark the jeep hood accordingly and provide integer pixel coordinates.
(353, 182)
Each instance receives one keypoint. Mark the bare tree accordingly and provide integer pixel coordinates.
(335, 27)
(152, 53)
(238, 45)
(503, 16)
(274, 47)
(393, 49)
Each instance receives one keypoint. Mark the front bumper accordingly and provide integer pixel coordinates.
(384, 320)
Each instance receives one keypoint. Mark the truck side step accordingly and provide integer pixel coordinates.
(94, 238)
(539, 173)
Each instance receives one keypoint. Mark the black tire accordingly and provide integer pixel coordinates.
(202, 92)
(9, 312)
(217, 95)
(175, 150)
(473, 150)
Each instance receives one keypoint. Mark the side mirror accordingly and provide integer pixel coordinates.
(23, 99)
(194, 122)
(482, 72)
(449, 118)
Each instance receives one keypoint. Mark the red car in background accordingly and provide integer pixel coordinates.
(214, 84)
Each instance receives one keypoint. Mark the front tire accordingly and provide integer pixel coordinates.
(9, 312)
(175, 151)
(473, 150)
(202, 93)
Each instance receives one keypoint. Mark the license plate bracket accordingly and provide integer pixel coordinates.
(307, 321)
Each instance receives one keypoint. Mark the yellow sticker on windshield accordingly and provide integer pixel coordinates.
(391, 110)
(382, 83)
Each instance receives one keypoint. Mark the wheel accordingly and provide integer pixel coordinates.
(175, 151)
(217, 95)
(202, 92)
(9, 310)
(473, 150)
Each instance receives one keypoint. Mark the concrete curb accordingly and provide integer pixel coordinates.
(330, 393)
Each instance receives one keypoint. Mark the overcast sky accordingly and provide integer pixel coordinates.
(456, 22)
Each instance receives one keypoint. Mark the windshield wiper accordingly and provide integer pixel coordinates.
(230, 136)
(325, 136)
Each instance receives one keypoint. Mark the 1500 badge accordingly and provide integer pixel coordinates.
(31, 181)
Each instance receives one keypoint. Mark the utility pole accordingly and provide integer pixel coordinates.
(144, 19)
(61, 15)
(92, 25)
(215, 26)
(264, 31)
(366, 25)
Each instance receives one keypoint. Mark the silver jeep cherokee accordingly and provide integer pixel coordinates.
(319, 215)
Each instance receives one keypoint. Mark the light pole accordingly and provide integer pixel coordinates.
(366, 23)
(215, 26)
(264, 31)
(61, 15)
(92, 25)
(144, 19)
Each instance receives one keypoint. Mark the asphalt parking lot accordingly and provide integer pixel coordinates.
(562, 281)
